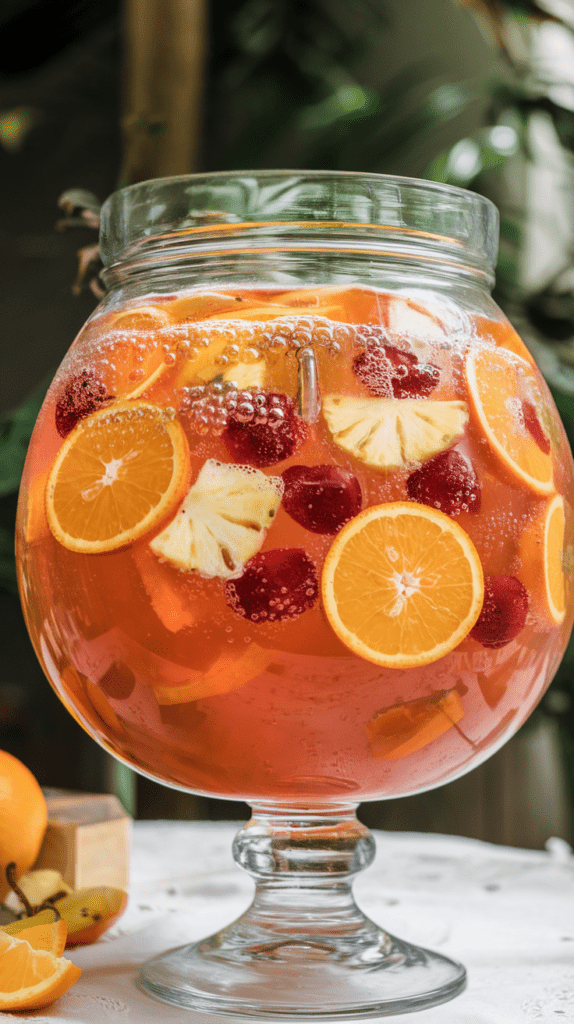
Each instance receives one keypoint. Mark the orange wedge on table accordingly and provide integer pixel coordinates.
(117, 476)
(51, 937)
(497, 383)
(31, 978)
(402, 585)
(541, 554)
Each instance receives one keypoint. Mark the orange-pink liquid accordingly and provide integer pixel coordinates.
(113, 630)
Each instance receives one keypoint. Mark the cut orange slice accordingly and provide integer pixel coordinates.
(51, 937)
(402, 585)
(499, 383)
(405, 728)
(117, 476)
(142, 336)
(227, 673)
(541, 551)
(141, 319)
(31, 978)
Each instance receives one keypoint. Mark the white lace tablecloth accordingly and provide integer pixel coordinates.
(507, 914)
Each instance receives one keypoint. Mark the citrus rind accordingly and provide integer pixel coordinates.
(375, 583)
(508, 363)
(124, 414)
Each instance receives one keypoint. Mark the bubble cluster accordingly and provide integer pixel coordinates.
(208, 407)
(250, 340)
(391, 372)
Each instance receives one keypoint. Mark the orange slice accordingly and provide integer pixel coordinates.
(117, 476)
(541, 552)
(498, 382)
(31, 978)
(51, 937)
(227, 673)
(143, 336)
(402, 585)
(405, 728)
(141, 319)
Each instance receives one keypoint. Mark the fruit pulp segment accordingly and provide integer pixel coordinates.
(223, 673)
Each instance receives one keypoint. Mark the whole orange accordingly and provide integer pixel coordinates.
(23, 818)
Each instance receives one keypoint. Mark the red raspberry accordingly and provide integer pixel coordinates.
(84, 393)
(321, 498)
(387, 370)
(276, 585)
(279, 432)
(503, 612)
(447, 482)
(534, 426)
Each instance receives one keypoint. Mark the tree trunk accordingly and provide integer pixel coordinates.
(165, 48)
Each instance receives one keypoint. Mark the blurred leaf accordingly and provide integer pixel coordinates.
(7, 561)
(15, 432)
(15, 125)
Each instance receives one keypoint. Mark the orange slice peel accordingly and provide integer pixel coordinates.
(541, 555)
(402, 585)
(498, 382)
(118, 476)
(31, 978)
(49, 936)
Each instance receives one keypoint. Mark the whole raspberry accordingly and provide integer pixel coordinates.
(276, 585)
(504, 611)
(264, 443)
(321, 498)
(390, 371)
(82, 395)
(447, 482)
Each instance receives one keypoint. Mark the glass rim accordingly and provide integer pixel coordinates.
(185, 209)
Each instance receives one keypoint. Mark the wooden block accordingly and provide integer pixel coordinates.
(87, 839)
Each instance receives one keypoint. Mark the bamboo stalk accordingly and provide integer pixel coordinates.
(165, 48)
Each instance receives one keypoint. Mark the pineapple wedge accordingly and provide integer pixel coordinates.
(243, 375)
(388, 433)
(222, 522)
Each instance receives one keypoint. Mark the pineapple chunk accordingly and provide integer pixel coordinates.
(222, 521)
(389, 432)
(243, 375)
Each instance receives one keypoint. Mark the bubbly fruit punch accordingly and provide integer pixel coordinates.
(302, 543)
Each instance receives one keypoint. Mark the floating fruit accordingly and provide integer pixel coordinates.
(447, 482)
(141, 319)
(244, 376)
(405, 728)
(391, 372)
(321, 498)
(534, 426)
(228, 672)
(83, 394)
(31, 978)
(222, 522)
(47, 935)
(116, 477)
(499, 384)
(541, 557)
(275, 586)
(23, 818)
(503, 612)
(389, 432)
(402, 585)
(170, 602)
(262, 434)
